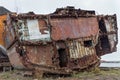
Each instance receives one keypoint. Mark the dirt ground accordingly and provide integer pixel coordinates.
(99, 74)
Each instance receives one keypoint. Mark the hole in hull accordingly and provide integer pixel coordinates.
(62, 58)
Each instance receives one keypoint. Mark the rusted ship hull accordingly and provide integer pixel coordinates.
(62, 42)
(45, 59)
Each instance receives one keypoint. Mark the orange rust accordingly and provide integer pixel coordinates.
(75, 40)
(2, 18)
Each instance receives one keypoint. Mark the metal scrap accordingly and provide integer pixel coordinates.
(61, 42)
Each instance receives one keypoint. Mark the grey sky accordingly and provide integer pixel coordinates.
(48, 6)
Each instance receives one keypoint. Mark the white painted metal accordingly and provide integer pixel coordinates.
(31, 31)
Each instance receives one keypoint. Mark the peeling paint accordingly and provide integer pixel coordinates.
(62, 42)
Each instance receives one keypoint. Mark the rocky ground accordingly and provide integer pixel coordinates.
(98, 74)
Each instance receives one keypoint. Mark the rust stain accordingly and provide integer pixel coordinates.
(40, 54)
(71, 28)
(108, 35)
(2, 18)
(67, 40)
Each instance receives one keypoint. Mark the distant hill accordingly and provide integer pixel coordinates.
(3, 10)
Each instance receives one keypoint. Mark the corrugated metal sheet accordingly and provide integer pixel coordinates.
(77, 48)
(68, 28)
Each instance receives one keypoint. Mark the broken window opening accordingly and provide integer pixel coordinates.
(102, 26)
(88, 43)
(62, 57)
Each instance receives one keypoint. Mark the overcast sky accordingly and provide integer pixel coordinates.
(49, 6)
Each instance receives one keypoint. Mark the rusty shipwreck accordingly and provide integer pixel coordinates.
(61, 42)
